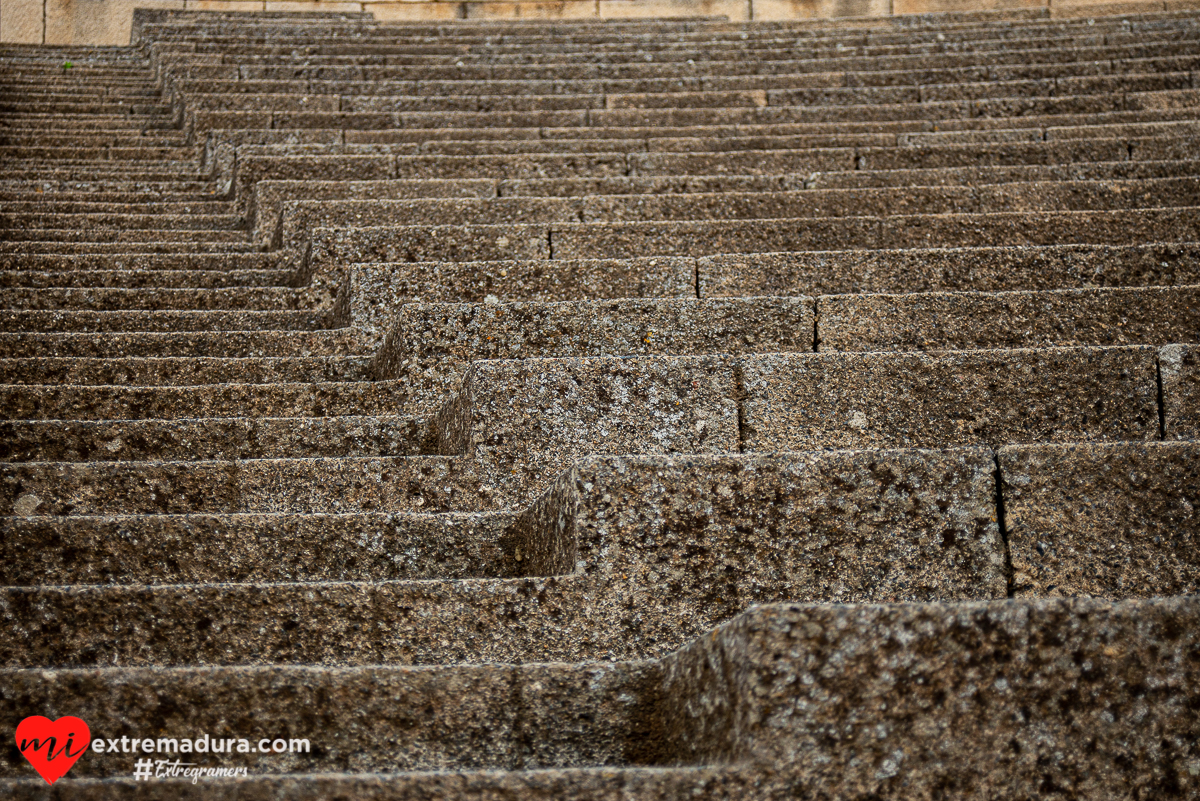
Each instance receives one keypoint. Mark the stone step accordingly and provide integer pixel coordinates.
(214, 225)
(978, 320)
(127, 154)
(216, 251)
(984, 269)
(215, 344)
(333, 399)
(226, 439)
(53, 204)
(179, 371)
(151, 299)
(133, 261)
(284, 485)
(332, 248)
(42, 280)
(257, 548)
(158, 321)
(1134, 528)
(117, 235)
(620, 568)
(674, 710)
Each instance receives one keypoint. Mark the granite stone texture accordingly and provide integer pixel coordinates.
(430, 345)
(1106, 520)
(1180, 386)
(997, 397)
(971, 320)
(745, 408)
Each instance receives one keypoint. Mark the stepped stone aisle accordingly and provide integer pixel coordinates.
(649, 409)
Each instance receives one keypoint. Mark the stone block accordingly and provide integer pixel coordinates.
(21, 22)
(649, 9)
(1109, 520)
(975, 320)
(903, 701)
(537, 9)
(871, 400)
(1179, 375)
(415, 11)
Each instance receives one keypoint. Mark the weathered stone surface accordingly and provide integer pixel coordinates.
(971, 320)
(431, 345)
(1180, 382)
(541, 356)
(1109, 520)
(170, 549)
(953, 691)
(800, 402)
(722, 533)
(985, 269)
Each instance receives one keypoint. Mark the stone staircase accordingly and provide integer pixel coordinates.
(650, 409)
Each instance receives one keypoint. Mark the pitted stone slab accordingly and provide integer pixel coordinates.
(431, 345)
(376, 291)
(904, 701)
(1109, 520)
(826, 400)
(991, 269)
(1179, 371)
(702, 537)
(194, 549)
(524, 422)
(975, 320)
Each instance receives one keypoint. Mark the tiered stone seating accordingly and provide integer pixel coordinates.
(653, 409)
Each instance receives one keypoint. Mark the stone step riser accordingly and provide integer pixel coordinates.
(332, 249)
(159, 322)
(30, 280)
(218, 439)
(151, 298)
(950, 549)
(213, 344)
(184, 371)
(197, 549)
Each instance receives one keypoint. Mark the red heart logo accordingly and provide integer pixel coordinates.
(52, 746)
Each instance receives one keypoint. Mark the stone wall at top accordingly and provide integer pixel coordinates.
(108, 22)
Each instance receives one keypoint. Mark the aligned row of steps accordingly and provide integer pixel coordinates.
(645, 409)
